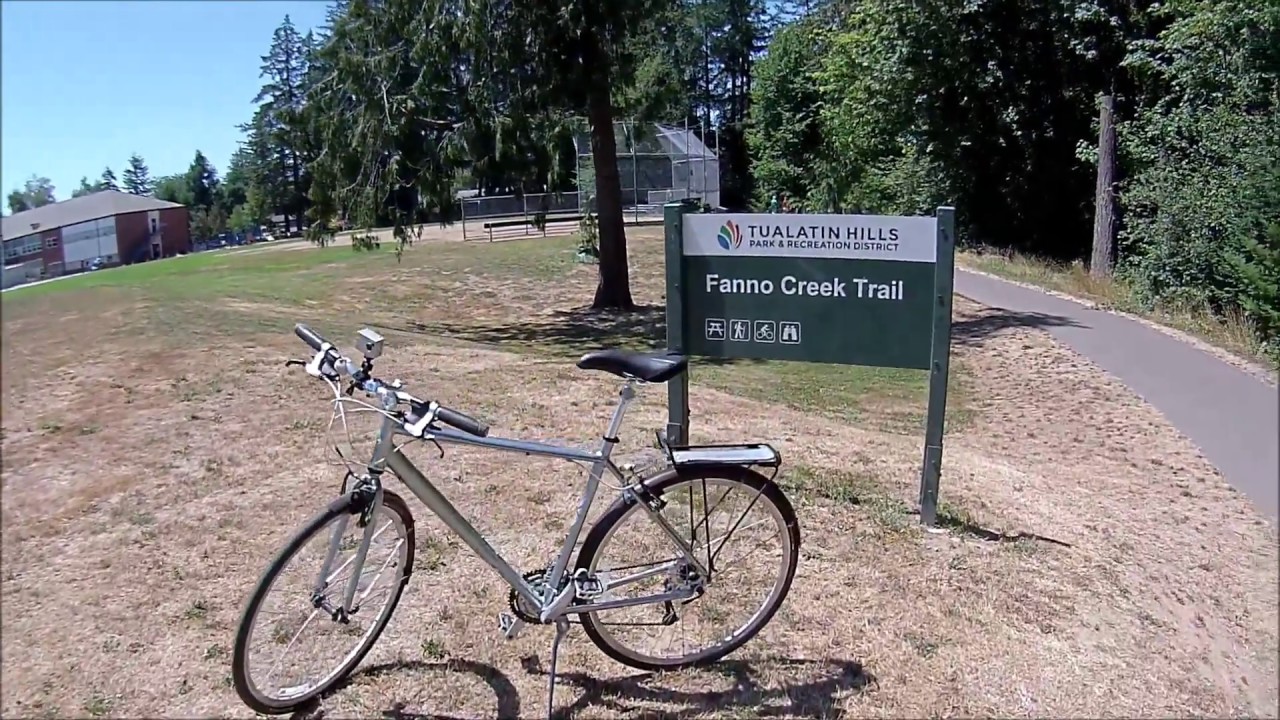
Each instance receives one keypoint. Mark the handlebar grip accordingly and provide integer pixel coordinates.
(465, 423)
(309, 336)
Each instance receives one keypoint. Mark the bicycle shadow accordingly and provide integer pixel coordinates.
(505, 691)
(816, 698)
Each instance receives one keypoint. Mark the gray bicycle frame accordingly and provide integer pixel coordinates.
(551, 605)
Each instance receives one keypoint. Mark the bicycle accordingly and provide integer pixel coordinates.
(546, 596)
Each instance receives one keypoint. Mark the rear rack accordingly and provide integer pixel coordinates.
(743, 454)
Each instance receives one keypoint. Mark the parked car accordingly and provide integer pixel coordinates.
(96, 264)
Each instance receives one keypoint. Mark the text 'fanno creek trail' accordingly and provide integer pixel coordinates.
(791, 285)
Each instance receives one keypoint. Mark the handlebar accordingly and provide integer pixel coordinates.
(309, 336)
(462, 421)
(449, 416)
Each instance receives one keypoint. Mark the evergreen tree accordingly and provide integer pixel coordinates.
(137, 178)
(420, 91)
(281, 123)
(202, 182)
(108, 180)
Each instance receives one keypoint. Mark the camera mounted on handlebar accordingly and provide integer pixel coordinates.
(370, 345)
(330, 365)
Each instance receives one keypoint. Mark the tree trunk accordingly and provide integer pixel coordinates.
(1104, 204)
(614, 290)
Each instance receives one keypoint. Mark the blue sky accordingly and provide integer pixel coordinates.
(85, 84)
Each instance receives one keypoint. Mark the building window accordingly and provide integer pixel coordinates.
(51, 243)
(18, 247)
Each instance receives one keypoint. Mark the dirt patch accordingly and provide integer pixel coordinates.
(1094, 564)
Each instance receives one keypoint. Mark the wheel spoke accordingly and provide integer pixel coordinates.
(720, 617)
(329, 643)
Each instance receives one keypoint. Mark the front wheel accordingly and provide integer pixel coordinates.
(741, 528)
(295, 644)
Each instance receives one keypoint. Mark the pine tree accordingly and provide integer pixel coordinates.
(108, 180)
(281, 122)
(202, 182)
(137, 178)
(418, 94)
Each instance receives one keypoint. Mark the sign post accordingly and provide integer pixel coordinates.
(843, 289)
(677, 388)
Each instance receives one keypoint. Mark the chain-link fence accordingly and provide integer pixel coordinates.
(512, 206)
(657, 164)
(558, 212)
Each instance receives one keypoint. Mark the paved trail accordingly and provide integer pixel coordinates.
(1229, 414)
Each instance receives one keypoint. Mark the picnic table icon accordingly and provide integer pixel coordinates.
(715, 329)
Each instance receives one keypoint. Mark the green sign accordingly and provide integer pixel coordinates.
(844, 289)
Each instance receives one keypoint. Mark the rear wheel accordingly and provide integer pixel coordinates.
(274, 667)
(740, 526)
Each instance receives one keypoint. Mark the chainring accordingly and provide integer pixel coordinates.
(520, 607)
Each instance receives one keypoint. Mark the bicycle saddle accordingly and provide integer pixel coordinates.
(653, 367)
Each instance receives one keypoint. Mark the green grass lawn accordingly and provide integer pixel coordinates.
(211, 298)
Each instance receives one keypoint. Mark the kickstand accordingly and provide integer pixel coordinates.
(562, 629)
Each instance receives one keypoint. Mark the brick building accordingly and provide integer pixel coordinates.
(66, 237)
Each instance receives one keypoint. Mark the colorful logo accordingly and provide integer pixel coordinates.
(730, 237)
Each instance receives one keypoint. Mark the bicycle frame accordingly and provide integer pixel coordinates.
(552, 605)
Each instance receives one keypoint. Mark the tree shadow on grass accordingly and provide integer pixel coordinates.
(993, 321)
(577, 330)
(584, 329)
(816, 698)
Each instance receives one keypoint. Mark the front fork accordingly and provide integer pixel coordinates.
(365, 501)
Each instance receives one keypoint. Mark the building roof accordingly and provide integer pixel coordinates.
(94, 206)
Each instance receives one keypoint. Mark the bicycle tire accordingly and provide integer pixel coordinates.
(239, 670)
(657, 485)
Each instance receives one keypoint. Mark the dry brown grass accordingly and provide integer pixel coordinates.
(146, 485)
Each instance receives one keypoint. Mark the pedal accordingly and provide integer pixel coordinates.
(587, 587)
(509, 625)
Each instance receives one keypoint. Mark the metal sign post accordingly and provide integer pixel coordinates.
(677, 388)
(843, 289)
